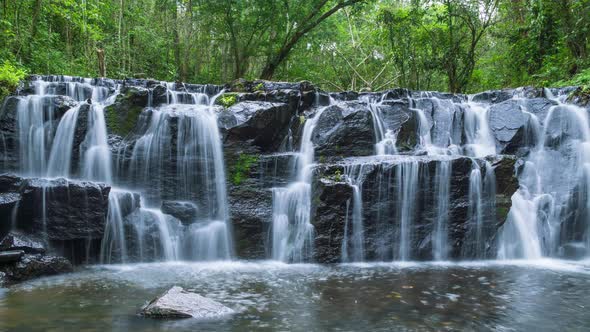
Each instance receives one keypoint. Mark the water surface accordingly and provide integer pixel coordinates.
(541, 296)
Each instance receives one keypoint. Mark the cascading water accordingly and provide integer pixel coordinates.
(442, 192)
(539, 207)
(179, 157)
(61, 151)
(175, 155)
(292, 231)
(480, 142)
(47, 148)
(353, 247)
(407, 179)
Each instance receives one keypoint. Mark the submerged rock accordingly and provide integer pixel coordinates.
(178, 303)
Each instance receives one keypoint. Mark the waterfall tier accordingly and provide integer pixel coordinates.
(149, 171)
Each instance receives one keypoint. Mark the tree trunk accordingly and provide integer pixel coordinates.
(102, 72)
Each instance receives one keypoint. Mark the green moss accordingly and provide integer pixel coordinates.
(259, 87)
(501, 212)
(301, 120)
(227, 99)
(338, 176)
(242, 168)
(121, 122)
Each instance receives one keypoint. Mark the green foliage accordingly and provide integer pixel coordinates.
(370, 45)
(259, 87)
(338, 175)
(242, 168)
(301, 120)
(10, 76)
(227, 100)
(580, 79)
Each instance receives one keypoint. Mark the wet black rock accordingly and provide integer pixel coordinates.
(573, 250)
(121, 117)
(34, 266)
(345, 130)
(24, 242)
(511, 124)
(580, 96)
(493, 96)
(381, 198)
(8, 202)
(332, 199)
(74, 209)
(184, 211)
(10, 256)
(263, 123)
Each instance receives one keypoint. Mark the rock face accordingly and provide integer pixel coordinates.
(346, 130)
(74, 216)
(178, 303)
(261, 122)
(382, 199)
(261, 126)
(54, 107)
(511, 124)
(23, 242)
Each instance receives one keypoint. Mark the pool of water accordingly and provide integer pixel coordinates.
(268, 296)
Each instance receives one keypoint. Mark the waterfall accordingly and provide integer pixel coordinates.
(407, 181)
(354, 243)
(480, 142)
(180, 157)
(442, 191)
(61, 150)
(37, 137)
(96, 164)
(475, 211)
(182, 138)
(34, 130)
(113, 241)
(546, 183)
(292, 231)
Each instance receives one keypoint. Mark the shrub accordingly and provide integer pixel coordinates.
(10, 76)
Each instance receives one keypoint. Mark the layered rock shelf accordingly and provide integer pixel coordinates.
(150, 171)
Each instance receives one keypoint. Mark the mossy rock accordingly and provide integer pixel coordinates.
(241, 169)
(227, 99)
(122, 115)
(580, 96)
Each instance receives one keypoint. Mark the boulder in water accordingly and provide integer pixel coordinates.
(35, 266)
(178, 303)
(23, 242)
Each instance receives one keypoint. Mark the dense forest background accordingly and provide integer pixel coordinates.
(451, 45)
